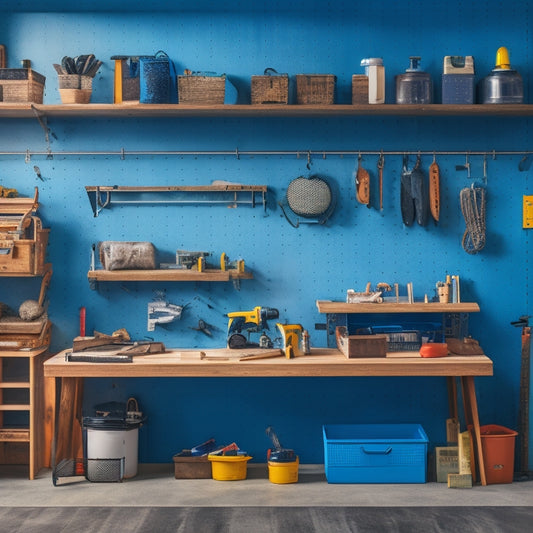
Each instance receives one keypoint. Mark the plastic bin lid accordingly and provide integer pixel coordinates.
(112, 422)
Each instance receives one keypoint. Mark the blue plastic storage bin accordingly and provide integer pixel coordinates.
(375, 453)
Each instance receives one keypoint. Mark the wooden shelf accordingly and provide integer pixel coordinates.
(168, 275)
(14, 435)
(267, 110)
(15, 407)
(329, 306)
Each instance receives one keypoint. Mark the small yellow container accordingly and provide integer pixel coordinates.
(229, 467)
(283, 472)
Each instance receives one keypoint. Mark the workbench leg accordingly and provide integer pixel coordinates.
(68, 442)
(472, 419)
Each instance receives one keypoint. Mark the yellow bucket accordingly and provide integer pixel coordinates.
(229, 467)
(283, 472)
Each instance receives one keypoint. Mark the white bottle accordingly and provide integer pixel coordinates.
(375, 71)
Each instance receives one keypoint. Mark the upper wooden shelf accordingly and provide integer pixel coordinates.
(267, 110)
(329, 306)
(168, 275)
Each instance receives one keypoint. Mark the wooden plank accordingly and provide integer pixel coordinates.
(321, 362)
(329, 306)
(14, 435)
(167, 275)
(26, 110)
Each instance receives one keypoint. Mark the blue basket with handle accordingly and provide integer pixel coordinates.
(157, 80)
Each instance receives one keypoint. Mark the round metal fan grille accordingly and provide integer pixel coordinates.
(309, 197)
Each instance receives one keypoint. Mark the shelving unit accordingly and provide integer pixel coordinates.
(455, 315)
(229, 194)
(168, 275)
(31, 388)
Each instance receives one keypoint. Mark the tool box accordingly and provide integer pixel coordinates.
(375, 453)
(23, 240)
(360, 345)
(191, 467)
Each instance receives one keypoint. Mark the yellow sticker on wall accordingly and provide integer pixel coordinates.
(527, 219)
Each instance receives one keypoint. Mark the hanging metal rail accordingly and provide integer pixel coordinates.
(122, 153)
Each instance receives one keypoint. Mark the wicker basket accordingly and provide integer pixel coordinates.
(21, 85)
(201, 90)
(75, 81)
(75, 96)
(315, 88)
(359, 89)
(272, 88)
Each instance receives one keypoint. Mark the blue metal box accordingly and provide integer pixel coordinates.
(458, 89)
(375, 453)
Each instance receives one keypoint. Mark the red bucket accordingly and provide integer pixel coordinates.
(498, 444)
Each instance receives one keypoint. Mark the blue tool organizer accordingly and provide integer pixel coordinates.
(292, 267)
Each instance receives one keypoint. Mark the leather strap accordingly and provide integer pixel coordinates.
(362, 184)
(434, 190)
(381, 164)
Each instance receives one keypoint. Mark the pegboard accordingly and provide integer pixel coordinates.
(292, 267)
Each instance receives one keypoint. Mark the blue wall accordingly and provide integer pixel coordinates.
(292, 267)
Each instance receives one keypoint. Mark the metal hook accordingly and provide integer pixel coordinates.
(122, 154)
(434, 157)
(309, 160)
(485, 168)
(27, 157)
(237, 153)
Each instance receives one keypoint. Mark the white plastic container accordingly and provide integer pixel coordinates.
(109, 440)
(375, 71)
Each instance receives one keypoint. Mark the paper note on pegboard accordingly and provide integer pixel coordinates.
(527, 219)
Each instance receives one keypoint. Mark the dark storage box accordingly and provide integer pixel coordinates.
(191, 467)
(361, 345)
(21, 85)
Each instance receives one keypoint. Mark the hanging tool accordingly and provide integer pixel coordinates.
(523, 417)
(434, 189)
(250, 322)
(204, 327)
(406, 200)
(473, 207)
(466, 166)
(381, 164)
(162, 312)
(419, 192)
(362, 184)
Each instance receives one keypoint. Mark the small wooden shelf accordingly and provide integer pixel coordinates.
(266, 110)
(15, 407)
(330, 307)
(168, 275)
(14, 435)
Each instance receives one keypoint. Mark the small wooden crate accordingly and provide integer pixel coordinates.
(201, 90)
(359, 89)
(191, 467)
(315, 88)
(24, 256)
(271, 88)
(360, 345)
(21, 85)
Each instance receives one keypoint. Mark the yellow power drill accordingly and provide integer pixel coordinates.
(242, 323)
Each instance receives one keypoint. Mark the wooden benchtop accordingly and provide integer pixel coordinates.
(225, 363)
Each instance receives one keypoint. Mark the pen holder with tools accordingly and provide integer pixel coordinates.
(75, 88)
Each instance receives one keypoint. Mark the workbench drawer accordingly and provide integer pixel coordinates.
(375, 453)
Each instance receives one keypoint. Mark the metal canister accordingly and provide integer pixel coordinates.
(503, 85)
(414, 86)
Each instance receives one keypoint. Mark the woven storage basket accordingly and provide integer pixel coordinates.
(21, 85)
(75, 96)
(201, 90)
(272, 88)
(75, 81)
(315, 88)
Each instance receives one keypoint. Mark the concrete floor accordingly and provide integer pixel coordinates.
(155, 485)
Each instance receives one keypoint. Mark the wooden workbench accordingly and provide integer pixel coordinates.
(322, 362)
